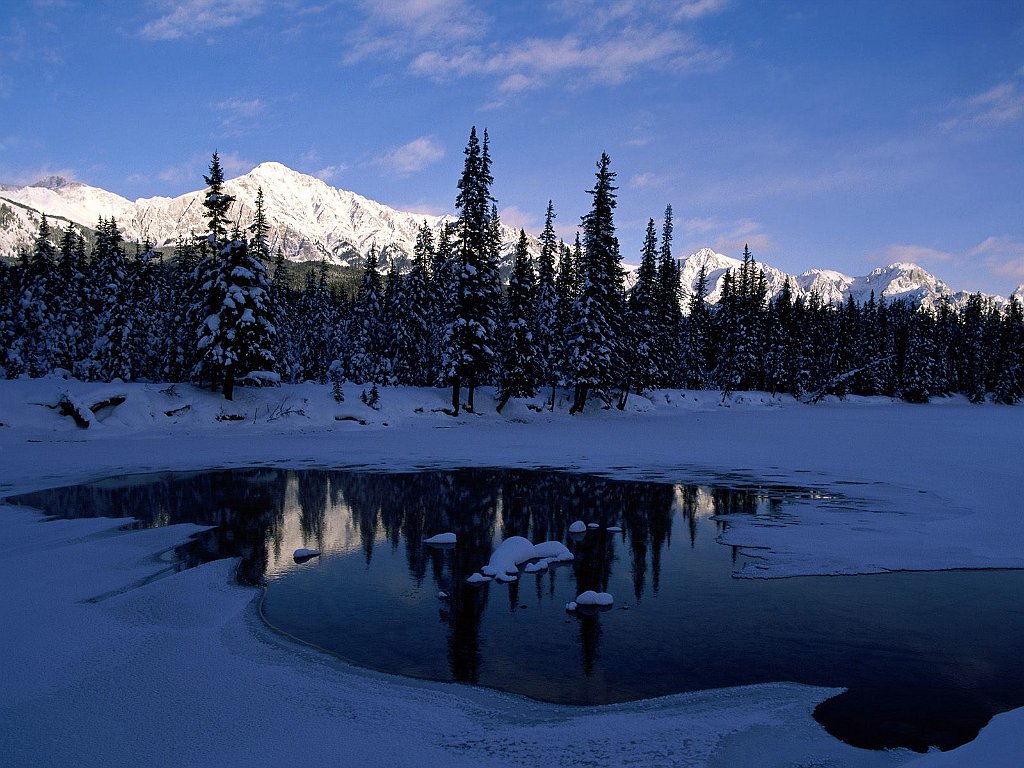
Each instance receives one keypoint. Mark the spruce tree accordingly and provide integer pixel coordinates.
(367, 331)
(594, 350)
(469, 338)
(519, 369)
(547, 331)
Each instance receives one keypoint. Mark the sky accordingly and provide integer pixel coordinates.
(842, 135)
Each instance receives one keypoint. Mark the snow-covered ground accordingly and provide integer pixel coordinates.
(101, 665)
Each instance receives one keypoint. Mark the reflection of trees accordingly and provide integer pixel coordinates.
(246, 506)
(479, 505)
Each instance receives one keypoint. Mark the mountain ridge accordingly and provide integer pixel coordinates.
(311, 220)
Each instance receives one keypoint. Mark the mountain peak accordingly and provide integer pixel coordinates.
(51, 182)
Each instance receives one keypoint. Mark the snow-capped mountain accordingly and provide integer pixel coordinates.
(895, 281)
(309, 219)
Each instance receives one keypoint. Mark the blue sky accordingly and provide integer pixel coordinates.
(826, 134)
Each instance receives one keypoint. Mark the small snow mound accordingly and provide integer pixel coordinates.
(594, 598)
(441, 538)
(536, 567)
(614, 529)
(571, 606)
(306, 554)
(578, 527)
(593, 525)
(442, 595)
(478, 578)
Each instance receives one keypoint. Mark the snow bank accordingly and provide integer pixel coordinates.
(594, 598)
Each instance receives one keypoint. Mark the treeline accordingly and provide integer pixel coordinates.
(225, 311)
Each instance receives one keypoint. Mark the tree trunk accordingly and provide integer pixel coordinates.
(229, 384)
(469, 401)
(504, 401)
(624, 397)
(579, 401)
(456, 396)
(553, 387)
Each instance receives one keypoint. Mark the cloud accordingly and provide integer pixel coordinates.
(392, 27)
(186, 18)
(1002, 104)
(645, 181)
(732, 238)
(913, 254)
(190, 172)
(601, 14)
(697, 9)
(238, 115)
(1002, 255)
(516, 217)
(412, 157)
(330, 172)
(613, 60)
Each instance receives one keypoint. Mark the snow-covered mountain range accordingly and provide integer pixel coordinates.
(310, 220)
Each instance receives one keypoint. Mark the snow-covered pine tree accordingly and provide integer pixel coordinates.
(919, 359)
(519, 369)
(111, 356)
(668, 332)
(469, 338)
(35, 347)
(547, 331)
(411, 320)
(238, 336)
(367, 332)
(697, 362)
(594, 350)
(1009, 379)
(643, 329)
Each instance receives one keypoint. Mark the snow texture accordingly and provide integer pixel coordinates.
(110, 657)
(441, 538)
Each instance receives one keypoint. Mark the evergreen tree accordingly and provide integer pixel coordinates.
(548, 331)
(238, 335)
(1009, 380)
(367, 331)
(520, 370)
(35, 347)
(594, 351)
(644, 333)
(469, 338)
(415, 358)
(697, 363)
(667, 298)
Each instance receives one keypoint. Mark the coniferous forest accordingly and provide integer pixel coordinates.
(222, 311)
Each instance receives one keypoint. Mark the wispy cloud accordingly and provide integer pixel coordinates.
(647, 181)
(516, 217)
(609, 61)
(1002, 104)
(237, 114)
(728, 237)
(412, 157)
(392, 27)
(599, 43)
(1002, 255)
(31, 175)
(187, 18)
(330, 172)
(912, 254)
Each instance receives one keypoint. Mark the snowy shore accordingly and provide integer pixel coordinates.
(104, 667)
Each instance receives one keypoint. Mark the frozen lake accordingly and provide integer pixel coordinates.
(928, 657)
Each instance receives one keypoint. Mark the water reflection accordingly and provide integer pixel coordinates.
(680, 622)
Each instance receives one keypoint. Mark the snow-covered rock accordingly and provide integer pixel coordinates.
(441, 539)
(578, 527)
(306, 554)
(594, 598)
(516, 550)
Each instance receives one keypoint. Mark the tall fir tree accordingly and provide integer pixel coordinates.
(594, 349)
(469, 338)
(519, 369)
(547, 330)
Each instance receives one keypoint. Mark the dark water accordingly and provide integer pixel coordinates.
(928, 657)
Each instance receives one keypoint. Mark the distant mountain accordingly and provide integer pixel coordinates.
(311, 220)
(895, 281)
